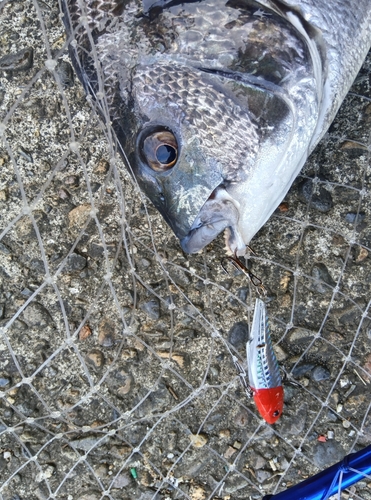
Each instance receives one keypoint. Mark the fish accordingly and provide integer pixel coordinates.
(263, 371)
(217, 104)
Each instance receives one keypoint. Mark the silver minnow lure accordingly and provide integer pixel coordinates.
(263, 371)
(216, 104)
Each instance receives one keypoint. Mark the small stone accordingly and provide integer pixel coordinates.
(280, 353)
(320, 373)
(301, 370)
(257, 461)
(20, 61)
(95, 251)
(321, 277)
(4, 195)
(106, 333)
(63, 194)
(102, 167)
(239, 334)
(178, 358)
(367, 365)
(224, 433)
(197, 492)
(4, 249)
(121, 481)
(75, 262)
(320, 199)
(79, 215)
(302, 334)
(361, 254)
(45, 474)
(4, 382)
(242, 418)
(65, 72)
(36, 315)
(152, 308)
(72, 181)
(328, 453)
(125, 385)
(101, 471)
(294, 425)
(84, 333)
(355, 218)
(198, 440)
(96, 358)
(262, 475)
(229, 452)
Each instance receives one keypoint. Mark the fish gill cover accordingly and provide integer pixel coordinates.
(115, 376)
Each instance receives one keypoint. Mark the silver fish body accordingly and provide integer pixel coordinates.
(216, 104)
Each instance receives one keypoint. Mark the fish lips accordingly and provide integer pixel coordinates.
(181, 192)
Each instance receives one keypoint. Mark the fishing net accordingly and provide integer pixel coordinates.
(116, 375)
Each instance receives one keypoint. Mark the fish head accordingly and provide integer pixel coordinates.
(193, 143)
(269, 403)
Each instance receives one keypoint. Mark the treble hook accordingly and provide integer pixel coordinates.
(254, 280)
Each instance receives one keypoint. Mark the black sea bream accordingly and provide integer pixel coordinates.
(217, 104)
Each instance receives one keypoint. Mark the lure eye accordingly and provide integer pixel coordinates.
(160, 150)
(276, 413)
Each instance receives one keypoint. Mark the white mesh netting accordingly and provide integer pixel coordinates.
(115, 377)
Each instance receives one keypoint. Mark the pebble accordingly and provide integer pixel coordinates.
(90, 496)
(320, 274)
(84, 333)
(95, 358)
(45, 474)
(78, 216)
(320, 200)
(198, 440)
(121, 481)
(235, 483)
(262, 475)
(4, 382)
(293, 425)
(238, 335)
(75, 262)
(353, 217)
(229, 452)
(320, 373)
(2, 310)
(4, 249)
(257, 461)
(20, 61)
(151, 308)
(65, 72)
(328, 453)
(36, 315)
(89, 442)
(124, 380)
(242, 418)
(300, 334)
(302, 369)
(106, 333)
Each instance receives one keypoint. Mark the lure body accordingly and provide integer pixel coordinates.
(263, 371)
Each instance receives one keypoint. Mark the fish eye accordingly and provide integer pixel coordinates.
(276, 413)
(160, 150)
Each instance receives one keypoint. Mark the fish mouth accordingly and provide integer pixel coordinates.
(219, 212)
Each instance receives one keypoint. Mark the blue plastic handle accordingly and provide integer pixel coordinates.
(326, 483)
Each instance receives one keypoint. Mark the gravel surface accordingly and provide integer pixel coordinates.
(115, 377)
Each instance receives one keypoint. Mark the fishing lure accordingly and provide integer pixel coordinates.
(263, 372)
